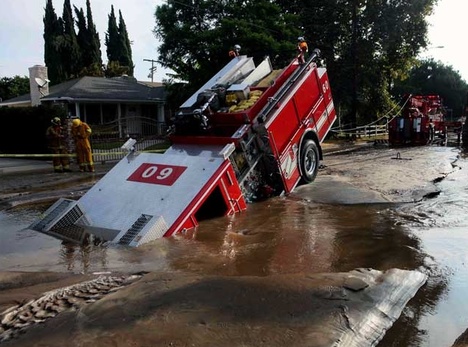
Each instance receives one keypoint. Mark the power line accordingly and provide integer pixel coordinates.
(152, 69)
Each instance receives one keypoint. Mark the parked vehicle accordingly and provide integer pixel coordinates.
(249, 133)
(422, 122)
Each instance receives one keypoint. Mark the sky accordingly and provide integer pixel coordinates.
(22, 27)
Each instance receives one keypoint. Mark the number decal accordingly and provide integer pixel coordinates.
(149, 172)
(165, 173)
(161, 174)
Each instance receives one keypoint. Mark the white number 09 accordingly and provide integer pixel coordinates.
(153, 170)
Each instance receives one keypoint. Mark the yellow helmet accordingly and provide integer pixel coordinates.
(55, 121)
(76, 122)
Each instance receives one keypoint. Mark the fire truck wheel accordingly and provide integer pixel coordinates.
(309, 162)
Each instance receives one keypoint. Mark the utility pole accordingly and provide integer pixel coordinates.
(152, 69)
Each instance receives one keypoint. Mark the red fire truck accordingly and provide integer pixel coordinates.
(422, 122)
(251, 132)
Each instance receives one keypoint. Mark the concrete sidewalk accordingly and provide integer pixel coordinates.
(14, 165)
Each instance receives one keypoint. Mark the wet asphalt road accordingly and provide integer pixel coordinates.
(366, 209)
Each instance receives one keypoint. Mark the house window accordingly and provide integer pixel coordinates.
(93, 113)
(110, 113)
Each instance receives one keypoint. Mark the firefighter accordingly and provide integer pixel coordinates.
(56, 142)
(81, 133)
(302, 48)
(235, 51)
(431, 130)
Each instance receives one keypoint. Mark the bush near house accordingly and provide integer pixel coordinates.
(24, 128)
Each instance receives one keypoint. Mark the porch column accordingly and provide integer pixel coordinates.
(119, 120)
(161, 119)
(77, 111)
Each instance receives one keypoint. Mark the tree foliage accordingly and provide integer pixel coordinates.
(197, 35)
(119, 51)
(70, 52)
(125, 57)
(53, 31)
(366, 45)
(112, 37)
(72, 47)
(432, 77)
(88, 41)
(11, 87)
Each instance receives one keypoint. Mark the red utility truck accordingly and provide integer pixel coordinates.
(251, 132)
(422, 122)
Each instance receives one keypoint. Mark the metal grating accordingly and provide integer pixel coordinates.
(70, 233)
(156, 231)
(66, 228)
(135, 229)
(70, 218)
(44, 223)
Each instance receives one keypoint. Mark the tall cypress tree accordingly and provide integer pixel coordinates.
(70, 52)
(95, 43)
(82, 38)
(52, 36)
(112, 38)
(125, 46)
(119, 53)
(88, 41)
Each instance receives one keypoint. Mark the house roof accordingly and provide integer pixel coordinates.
(100, 89)
(22, 99)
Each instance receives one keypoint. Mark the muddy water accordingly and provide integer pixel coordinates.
(301, 233)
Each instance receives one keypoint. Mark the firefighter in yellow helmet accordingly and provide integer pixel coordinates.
(84, 156)
(56, 141)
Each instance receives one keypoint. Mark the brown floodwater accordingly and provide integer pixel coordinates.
(302, 234)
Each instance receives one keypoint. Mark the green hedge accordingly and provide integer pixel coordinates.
(24, 128)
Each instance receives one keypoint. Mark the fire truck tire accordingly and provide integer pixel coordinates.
(309, 161)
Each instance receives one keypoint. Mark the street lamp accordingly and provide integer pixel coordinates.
(427, 49)
(426, 55)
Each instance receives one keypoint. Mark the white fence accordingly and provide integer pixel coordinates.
(115, 154)
(363, 131)
(371, 130)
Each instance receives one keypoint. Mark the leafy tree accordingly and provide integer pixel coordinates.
(11, 87)
(52, 34)
(114, 69)
(366, 46)
(432, 77)
(197, 35)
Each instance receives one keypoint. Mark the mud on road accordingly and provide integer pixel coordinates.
(205, 267)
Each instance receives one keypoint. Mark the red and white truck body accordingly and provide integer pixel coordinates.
(249, 133)
(422, 122)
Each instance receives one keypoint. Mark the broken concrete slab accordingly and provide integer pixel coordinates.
(176, 309)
